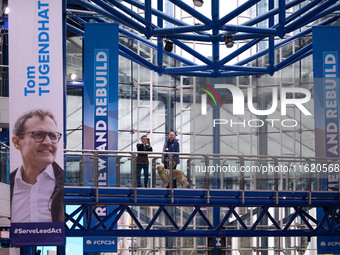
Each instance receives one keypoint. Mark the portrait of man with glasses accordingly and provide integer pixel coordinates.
(37, 187)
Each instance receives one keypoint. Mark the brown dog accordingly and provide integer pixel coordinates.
(176, 175)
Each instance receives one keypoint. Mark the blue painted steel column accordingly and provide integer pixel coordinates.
(27, 250)
(170, 120)
(271, 39)
(216, 115)
(216, 184)
(159, 40)
(148, 14)
(61, 250)
(282, 12)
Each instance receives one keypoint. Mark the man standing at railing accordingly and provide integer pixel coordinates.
(171, 145)
(143, 160)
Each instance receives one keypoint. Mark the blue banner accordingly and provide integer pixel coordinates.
(95, 244)
(326, 48)
(26, 234)
(100, 119)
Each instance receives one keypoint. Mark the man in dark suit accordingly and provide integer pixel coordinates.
(37, 187)
(143, 161)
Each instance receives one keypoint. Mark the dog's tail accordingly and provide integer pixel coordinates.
(186, 181)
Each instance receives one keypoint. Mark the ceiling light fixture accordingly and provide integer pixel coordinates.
(72, 76)
(169, 45)
(6, 10)
(198, 3)
(228, 40)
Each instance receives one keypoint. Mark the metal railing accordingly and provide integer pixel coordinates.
(204, 171)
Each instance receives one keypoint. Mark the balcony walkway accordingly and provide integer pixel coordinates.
(84, 221)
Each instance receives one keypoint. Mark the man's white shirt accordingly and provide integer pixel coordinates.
(31, 203)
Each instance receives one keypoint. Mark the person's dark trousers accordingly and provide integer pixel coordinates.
(166, 166)
(145, 168)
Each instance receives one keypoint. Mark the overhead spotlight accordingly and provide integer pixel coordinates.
(198, 3)
(228, 40)
(169, 45)
(72, 76)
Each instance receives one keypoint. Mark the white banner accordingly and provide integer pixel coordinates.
(36, 63)
(36, 97)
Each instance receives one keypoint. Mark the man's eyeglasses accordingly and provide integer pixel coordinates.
(39, 136)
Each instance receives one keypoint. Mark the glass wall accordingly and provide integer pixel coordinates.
(154, 105)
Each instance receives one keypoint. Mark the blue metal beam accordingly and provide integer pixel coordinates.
(133, 14)
(197, 197)
(282, 13)
(271, 43)
(271, 13)
(121, 17)
(193, 52)
(233, 14)
(140, 39)
(181, 32)
(201, 233)
(182, 69)
(328, 11)
(284, 42)
(328, 225)
(302, 10)
(153, 46)
(81, 223)
(182, 29)
(192, 12)
(159, 40)
(215, 8)
(258, 30)
(292, 59)
(138, 58)
(160, 14)
(308, 17)
(148, 18)
(245, 69)
(153, 220)
(75, 30)
(190, 37)
(105, 13)
(239, 50)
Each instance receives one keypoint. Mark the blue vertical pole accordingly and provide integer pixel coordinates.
(216, 115)
(215, 31)
(282, 12)
(216, 177)
(61, 250)
(159, 40)
(271, 39)
(148, 17)
(27, 250)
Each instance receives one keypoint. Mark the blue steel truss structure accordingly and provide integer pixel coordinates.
(84, 221)
(281, 29)
(210, 30)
